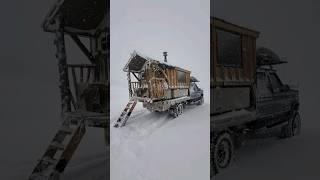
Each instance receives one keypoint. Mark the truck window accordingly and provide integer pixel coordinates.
(229, 48)
(263, 87)
(275, 82)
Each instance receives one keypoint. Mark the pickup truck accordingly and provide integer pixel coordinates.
(276, 105)
(247, 99)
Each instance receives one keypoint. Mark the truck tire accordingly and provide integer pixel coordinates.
(222, 152)
(175, 110)
(293, 128)
(201, 101)
(180, 109)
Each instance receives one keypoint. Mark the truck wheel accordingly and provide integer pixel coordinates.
(174, 111)
(180, 109)
(201, 101)
(222, 152)
(293, 127)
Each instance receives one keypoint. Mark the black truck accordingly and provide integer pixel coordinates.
(243, 107)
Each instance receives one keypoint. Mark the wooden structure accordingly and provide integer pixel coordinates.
(233, 66)
(154, 80)
(84, 88)
(160, 86)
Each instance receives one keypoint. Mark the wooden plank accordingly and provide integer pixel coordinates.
(246, 72)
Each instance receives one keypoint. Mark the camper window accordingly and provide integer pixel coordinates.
(229, 48)
(181, 77)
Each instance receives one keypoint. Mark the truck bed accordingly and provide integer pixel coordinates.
(234, 118)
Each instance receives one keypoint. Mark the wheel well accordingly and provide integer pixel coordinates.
(295, 106)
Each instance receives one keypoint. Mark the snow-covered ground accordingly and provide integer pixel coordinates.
(154, 146)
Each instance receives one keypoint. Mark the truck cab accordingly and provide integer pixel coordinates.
(196, 93)
(275, 101)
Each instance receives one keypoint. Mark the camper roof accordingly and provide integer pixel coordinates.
(79, 16)
(137, 62)
(220, 23)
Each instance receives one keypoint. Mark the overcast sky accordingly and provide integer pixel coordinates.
(180, 27)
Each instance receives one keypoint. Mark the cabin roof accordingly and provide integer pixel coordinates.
(137, 62)
(79, 16)
(222, 24)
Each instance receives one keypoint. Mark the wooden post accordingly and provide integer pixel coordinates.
(129, 84)
(63, 69)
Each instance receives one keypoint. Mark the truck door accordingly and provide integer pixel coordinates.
(264, 95)
(281, 97)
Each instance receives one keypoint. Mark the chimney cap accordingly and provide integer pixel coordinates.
(165, 54)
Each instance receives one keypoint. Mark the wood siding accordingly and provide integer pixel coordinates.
(173, 81)
(227, 75)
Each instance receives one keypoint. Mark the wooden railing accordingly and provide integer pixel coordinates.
(155, 87)
(81, 76)
(137, 85)
(82, 72)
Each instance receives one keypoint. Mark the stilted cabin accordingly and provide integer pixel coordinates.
(233, 66)
(154, 80)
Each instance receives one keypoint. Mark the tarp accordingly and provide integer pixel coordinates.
(266, 57)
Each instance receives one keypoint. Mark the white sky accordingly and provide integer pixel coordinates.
(180, 27)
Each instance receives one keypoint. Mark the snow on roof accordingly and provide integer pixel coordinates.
(138, 60)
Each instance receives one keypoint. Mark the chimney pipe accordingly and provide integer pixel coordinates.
(165, 54)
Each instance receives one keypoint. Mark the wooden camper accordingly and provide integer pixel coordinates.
(233, 65)
(155, 80)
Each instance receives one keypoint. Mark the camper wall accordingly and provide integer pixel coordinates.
(233, 54)
(178, 78)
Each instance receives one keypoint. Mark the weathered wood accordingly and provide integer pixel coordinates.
(237, 75)
(63, 70)
(232, 76)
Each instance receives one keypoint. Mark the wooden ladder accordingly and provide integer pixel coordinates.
(60, 151)
(125, 113)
